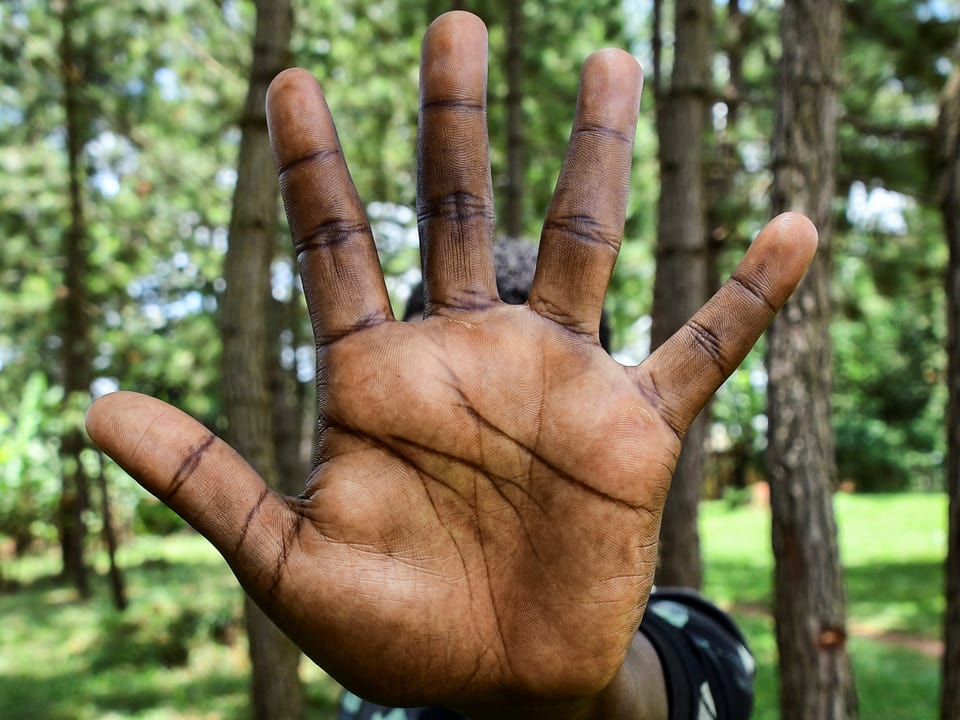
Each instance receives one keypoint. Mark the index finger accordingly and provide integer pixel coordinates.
(338, 259)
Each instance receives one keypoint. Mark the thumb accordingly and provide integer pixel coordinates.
(198, 475)
(688, 368)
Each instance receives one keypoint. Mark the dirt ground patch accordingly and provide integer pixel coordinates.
(925, 646)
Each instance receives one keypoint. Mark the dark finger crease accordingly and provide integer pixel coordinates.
(603, 131)
(453, 104)
(752, 288)
(189, 466)
(584, 328)
(707, 341)
(652, 394)
(371, 319)
(286, 542)
(457, 207)
(249, 518)
(586, 229)
(330, 234)
(326, 337)
(469, 300)
(315, 157)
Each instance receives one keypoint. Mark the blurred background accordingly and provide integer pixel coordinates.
(129, 177)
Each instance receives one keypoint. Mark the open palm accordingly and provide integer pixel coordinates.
(482, 522)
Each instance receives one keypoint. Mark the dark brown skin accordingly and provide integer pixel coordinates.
(481, 529)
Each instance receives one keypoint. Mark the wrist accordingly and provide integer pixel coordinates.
(636, 692)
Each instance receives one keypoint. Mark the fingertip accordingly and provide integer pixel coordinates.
(285, 80)
(611, 84)
(94, 416)
(455, 21)
(453, 62)
(615, 62)
(286, 87)
(101, 419)
(800, 231)
(791, 236)
(298, 119)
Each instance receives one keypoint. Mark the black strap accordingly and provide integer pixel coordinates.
(708, 668)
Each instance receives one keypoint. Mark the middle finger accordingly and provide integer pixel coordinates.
(454, 188)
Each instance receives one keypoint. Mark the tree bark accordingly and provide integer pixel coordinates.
(949, 127)
(816, 678)
(680, 284)
(75, 329)
(723, 163)
(656, 46)
(290, 401)
(117, 586)
(275, 687)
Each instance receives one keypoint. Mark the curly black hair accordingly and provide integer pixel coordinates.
(515, 262)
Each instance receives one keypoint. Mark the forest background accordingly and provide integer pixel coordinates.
(120, 128)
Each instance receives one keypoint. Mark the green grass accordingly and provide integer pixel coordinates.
(892, 547)
(179, 651)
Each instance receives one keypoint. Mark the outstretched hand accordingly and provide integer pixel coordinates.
(482, 525)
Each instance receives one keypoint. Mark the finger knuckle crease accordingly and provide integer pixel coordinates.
(453, 104)
(754, 289)
(329, 234)
(708, 342)
(603, 132)
(189, 466)
(586, 229)
(319, 156)
(456, 207)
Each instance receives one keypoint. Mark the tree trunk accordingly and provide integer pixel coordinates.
(816, 679)
(117, 586)
(949, 127)
(275, 687)
(289, 400)
(724, 160)
(513, 205)
(75, 330)
(656, 47)
(680, 285)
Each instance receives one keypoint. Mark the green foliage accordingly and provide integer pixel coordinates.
(889, 338)
(29, 464)
(152, 517)
(158, 146)
(153, 635)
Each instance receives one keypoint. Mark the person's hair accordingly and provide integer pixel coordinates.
(515, 262)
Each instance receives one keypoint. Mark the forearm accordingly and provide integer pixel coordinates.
(637, 692)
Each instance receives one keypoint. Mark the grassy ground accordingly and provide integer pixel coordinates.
(178, 652)
(892, 548)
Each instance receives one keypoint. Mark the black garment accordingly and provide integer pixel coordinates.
(707, 666)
